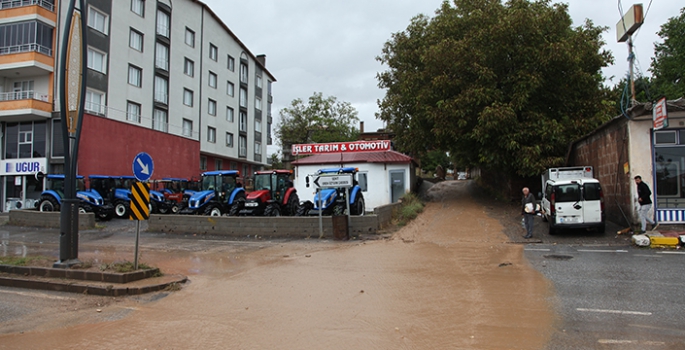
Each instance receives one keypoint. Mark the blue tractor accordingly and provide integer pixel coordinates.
(116, 190)
(333, 201)
(91, 200)
(220, 193)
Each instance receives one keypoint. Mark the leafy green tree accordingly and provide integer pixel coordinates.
(320, 120)
(432, 159)
(668, 64)
(275, 161)
(505, 86)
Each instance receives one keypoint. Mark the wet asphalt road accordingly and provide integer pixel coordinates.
(613, 297)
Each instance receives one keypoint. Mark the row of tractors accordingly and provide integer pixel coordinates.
(216, 193)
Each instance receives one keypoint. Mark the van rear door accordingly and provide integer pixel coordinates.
(592, 202)
(569, 208)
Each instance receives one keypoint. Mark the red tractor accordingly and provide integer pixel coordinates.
(274, 195)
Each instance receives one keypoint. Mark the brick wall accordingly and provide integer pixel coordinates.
(607, 151)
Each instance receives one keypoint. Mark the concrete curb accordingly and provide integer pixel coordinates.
(73, 286)
(77, 274)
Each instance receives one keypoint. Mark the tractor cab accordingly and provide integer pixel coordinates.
(115, 190)
(332, 201)
(221, 192)
(90, 201)
(274, 194)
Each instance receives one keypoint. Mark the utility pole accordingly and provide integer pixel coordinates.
(626, 26)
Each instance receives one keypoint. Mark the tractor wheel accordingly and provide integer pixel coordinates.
(82, 210)
(292, 206)
(48, 204)
(104, 215)
(303, 209)
(358, 207)
(175, 209)
(272, 210)
(162, 209)
(120, 209)
(339, 209)
(238, 204)
(213, 211)
(152, 208)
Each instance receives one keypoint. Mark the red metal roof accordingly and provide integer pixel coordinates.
(359, 157)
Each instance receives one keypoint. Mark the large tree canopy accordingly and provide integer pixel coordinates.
(668, 64)
(320, 120)
(506, 86)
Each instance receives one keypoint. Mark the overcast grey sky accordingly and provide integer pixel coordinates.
(330, 46)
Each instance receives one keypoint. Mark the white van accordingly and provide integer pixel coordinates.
(572, 200)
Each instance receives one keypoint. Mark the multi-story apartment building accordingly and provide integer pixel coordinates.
(164, 77)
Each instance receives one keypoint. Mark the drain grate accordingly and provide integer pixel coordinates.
(558, 257)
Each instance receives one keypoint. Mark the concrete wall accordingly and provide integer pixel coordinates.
(47, 219)
(272, 227)
(607, 152)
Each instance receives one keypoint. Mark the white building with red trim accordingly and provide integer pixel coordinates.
(384, 175)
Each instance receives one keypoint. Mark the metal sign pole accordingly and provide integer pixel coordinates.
(318, 191)
(347, 201)
(135, 260)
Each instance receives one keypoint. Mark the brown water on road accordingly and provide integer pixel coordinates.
(437, 284)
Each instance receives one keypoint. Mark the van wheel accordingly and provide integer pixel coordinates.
(552, 230)
(602, 228)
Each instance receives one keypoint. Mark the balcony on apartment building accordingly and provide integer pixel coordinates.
(19, 106)
(26, 38)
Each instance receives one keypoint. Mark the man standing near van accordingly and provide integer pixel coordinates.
(528, 211)
(645, 201)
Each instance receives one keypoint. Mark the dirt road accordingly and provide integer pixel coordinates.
(448, 280)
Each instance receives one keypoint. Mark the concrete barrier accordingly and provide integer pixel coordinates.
(37, 218)
(265, 227)
(385, 213)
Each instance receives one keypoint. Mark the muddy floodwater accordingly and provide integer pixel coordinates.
(448, 280)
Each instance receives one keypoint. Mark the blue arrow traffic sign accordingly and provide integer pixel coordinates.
(143, 166)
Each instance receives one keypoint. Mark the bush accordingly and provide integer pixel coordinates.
(411, 207)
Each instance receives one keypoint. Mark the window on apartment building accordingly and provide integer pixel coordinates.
(231, 63)
(95, 102)
(22, 90)
(188, 97)
(243, 73)
(243, 98)
(135, 75)
(243, 122)
(213, 52)
(25, 140)
(234, 166)
(135, 40)
(57, 139)
(268, 87)
(257, 148)
(218, 164)
(26, 36)
(229, 114)
(211, 107)
(212, 80)
(133, 112)
(242, 146)
(163, 23)
(229, 139)
(138, 7)
(203, 163)
(258, 103)
(257, 125)
(189, 67)
(211, 134)
(97, 60)
(190, 37)
(161, 56)
(97, 20)
(258, 81)
(161, 90)
(187, 127)
(230, 89)
(160, 120)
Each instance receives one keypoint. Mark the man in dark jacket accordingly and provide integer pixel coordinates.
(645, 201)
(528, 211)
